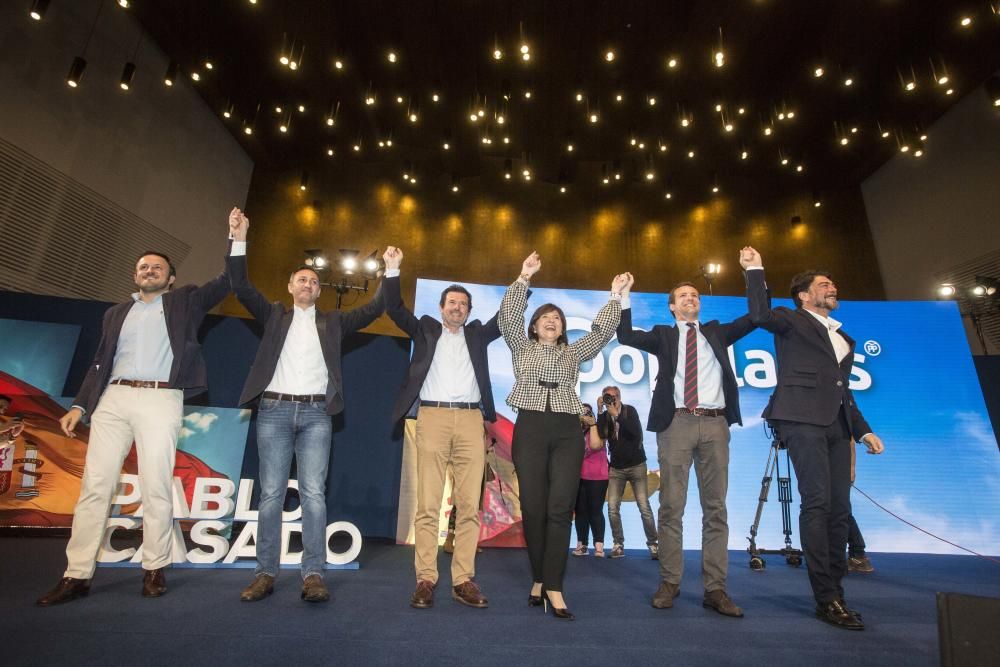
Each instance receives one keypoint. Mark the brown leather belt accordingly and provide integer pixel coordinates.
(449, 404)
(294, 398)
(143, 384)
(702, 412)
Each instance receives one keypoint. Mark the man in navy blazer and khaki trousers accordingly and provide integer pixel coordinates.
(147, 362)
(448, 384)
(814, 413)
(695, 401)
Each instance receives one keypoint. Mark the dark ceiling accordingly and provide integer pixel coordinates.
(771, 52)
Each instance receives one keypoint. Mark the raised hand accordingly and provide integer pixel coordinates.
(628, 285)
(69, 421)
(531, 265)
(238, 225)
(393, 257)
(750, 257)
(619, 283)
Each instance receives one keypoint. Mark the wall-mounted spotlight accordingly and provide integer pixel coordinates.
(946, 291)
(316, 259)
(985, 286)
(709, 271)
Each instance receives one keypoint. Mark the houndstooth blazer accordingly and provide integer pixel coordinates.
(534, 362)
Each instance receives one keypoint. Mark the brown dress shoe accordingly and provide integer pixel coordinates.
(314, 590)
(423, 596)
(468, 593)
(260, 588)
(722, 603)
(66, 590)
(665, 594)
(154, 583)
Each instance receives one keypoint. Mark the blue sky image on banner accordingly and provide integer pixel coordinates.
(913, 379)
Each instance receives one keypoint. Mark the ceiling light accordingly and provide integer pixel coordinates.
(593, 118)
(818, 72)
(391, 56)
(672, 63)
(652, 101)
(720, 58)
(728, 127)
(569, 148)
(302, 108)
(506, 140)
(848, 82)
(435, 97)
(446, 146)
(228, 111)
(910, 86)
(413, 117)
(497, 54)
(356, 148)
(952, 90)
(767, 131)
(799, 168)
(923, 137)
(619, 97)
(781, 115)
(579, 97)
(791, 114)
(527, 94)
(338, 64)
(905, 148)
(38, 8)
(966, 21)
(123, 4)
(525, 57)
(691, 154)
(195, 76)
(668, 195)
(919, 153)
(854, 129)
(946, 290)
(784, 161)
(744, 155)
(127, 75)
(718, 108)
(524, 49)
(844, 141)
(481, 113)
(609, 56)
(741, 111)
(562, 189)
(329, 152)
(370, 100)
(208, 64)
(304, 181)
(76, 72)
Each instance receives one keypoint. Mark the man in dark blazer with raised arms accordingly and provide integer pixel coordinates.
(448, 384)
(695, 401)
(297, 384)
(814, 413)
(148, 361)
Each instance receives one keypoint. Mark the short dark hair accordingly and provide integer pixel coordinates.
(170, 265)
(303, 267)
(801, 282)
(541, 310)
(455, 288)
(679, 285)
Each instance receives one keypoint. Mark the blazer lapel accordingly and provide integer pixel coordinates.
(821, 331)
(321, 330)
(676, 335)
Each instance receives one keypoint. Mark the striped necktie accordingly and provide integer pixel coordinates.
(691, 368)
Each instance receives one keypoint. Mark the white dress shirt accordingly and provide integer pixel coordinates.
(840, 346)
(710, 394)
(451, 377)
(301, 367)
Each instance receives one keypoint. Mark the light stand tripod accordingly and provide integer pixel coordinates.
(792, 556)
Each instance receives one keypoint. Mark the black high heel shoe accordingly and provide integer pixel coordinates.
(536, 600)
(557, 612)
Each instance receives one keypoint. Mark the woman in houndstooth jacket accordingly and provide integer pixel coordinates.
(546, 444)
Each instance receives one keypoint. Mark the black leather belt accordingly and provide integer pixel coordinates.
(143, 384)
(449, 404)
(702, 412)
(294, 398)
(548, 385)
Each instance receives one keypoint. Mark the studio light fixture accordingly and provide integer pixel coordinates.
(76, 72)
(128, 73)
(38, 7)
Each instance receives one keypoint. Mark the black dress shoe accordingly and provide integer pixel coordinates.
(557, 612)
(66, 590)
(154, 583)
(536, 600)
(836, 614)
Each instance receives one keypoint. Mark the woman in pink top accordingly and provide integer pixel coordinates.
(593, 487)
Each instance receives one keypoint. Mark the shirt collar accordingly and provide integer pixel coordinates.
(137, 297)
(827, 322)
(460, 332)
(304, 312)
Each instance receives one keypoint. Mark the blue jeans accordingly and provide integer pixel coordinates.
(284, 427)
(636, 476)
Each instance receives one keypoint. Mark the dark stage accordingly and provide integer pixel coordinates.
(202, 621)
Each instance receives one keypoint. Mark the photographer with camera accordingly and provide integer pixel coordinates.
(619, 424)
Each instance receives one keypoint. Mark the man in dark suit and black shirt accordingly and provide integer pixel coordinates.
(695, 402)
(813, 412)
(448, 383)
(147, 362)
(297, 383)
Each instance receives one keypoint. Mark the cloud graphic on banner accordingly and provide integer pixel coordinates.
(200, 421)
(983, 536)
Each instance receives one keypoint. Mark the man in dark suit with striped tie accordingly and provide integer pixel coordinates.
(694, 403)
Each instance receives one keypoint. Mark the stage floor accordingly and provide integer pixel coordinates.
(201, 620)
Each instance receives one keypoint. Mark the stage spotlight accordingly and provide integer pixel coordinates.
(38, 8)
(316, 259)
(946, 291)
(348, 260)
(985, 286)
(712, 268)
(371, 264)
(76, 72)
(127, 74)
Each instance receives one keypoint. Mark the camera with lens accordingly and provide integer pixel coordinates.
(608, 398)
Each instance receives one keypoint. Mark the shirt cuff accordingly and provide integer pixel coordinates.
(755, 268)
(626, 302)
(83, 410)
(862, 438)
(391, 273)
(239, 249)
(615, 297)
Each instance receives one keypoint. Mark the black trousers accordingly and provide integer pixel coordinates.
(855, 540)
(821, 456)
(590, 509)
(548, 451)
